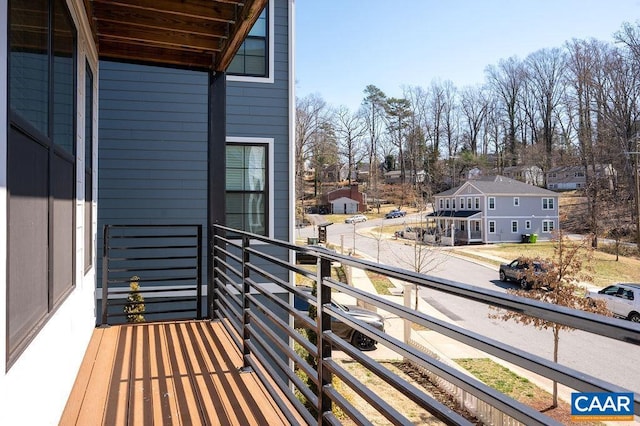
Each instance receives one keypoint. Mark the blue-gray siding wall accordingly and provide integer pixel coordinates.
(152, 164)
(262, 110)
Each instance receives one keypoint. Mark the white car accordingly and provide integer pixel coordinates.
(622, 299)
(355, 219)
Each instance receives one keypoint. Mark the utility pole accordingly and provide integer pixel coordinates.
(636, 174)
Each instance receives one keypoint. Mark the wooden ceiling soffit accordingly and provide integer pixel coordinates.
(183, 33)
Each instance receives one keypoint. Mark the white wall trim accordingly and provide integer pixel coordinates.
(292, 126)
(270, 163)
(4, 85)
(271, 54)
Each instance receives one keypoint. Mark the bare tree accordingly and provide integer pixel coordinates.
(473, 107)
(373, 113)
(398, 114)
(506, 79)
(311, 115)
(350, 129)
(558, 282)
(546, 82)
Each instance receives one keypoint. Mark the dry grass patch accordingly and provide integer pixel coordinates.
(519, 388)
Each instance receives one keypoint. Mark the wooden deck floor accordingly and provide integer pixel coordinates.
(173, 373)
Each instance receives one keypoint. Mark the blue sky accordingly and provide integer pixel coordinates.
(344, 45)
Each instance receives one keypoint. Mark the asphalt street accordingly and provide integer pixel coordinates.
(598, 356)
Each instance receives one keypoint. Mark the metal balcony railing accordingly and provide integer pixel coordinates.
(253, 294)
(166, 263)
(254, 290)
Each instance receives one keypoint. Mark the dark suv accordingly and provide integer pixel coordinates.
(519, 271)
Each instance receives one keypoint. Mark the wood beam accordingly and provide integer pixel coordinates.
(202, 9)
(141, 52)
(248, 16)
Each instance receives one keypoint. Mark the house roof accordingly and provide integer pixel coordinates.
(199, 34)
(499, 185)
(344, 200)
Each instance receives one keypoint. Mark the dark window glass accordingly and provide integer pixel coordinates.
(246, 183)
(251, 58)
(63, 78)
(29, 62)
(40, 166)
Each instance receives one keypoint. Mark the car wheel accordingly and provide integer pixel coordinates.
(503, 276)
(591, 302)
(634, 316)
(362, 342)
(524, 284)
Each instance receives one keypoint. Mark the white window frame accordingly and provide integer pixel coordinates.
(490, 201)
(469, 203)
(270, 194)
(270, 53)
(548, 226)
(441, 203)
(514, 226)
(548, 201)
(453, 203)
(447, 203)
(492, 226)
(516, 201)
(527, 224)
(477, 203)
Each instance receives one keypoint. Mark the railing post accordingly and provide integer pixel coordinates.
(246, 288)
(199, 271)
(324, 347)
(212, 271)
(105, 275)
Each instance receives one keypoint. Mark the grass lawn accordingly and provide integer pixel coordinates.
(605, 268)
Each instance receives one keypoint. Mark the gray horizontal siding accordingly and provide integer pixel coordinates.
(152, 165)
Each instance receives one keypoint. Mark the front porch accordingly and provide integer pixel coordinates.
(165, 373)
(450, 227)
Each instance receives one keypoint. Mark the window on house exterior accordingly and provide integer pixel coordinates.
(476, 226)
(253, 55)
(41, 171)
(441, 204)
(463, 226)
(547, 204)
(547, 226)
(492, 203)
(492, 226)
(527, 224)
(514, 226)
(516, 201)
(246, 187)
(447, 203)
(477, 202)
(469, 203)
(453, 203)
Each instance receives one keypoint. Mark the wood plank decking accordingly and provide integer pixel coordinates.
(172, 373)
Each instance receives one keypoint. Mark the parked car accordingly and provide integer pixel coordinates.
(519, 271)
(308, 258)
(356, 218)
(341, 329)
(395, 213)
(622, 299)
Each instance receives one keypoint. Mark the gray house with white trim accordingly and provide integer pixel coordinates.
(494, 209)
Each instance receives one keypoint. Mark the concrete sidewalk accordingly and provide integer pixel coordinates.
(442, 347)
